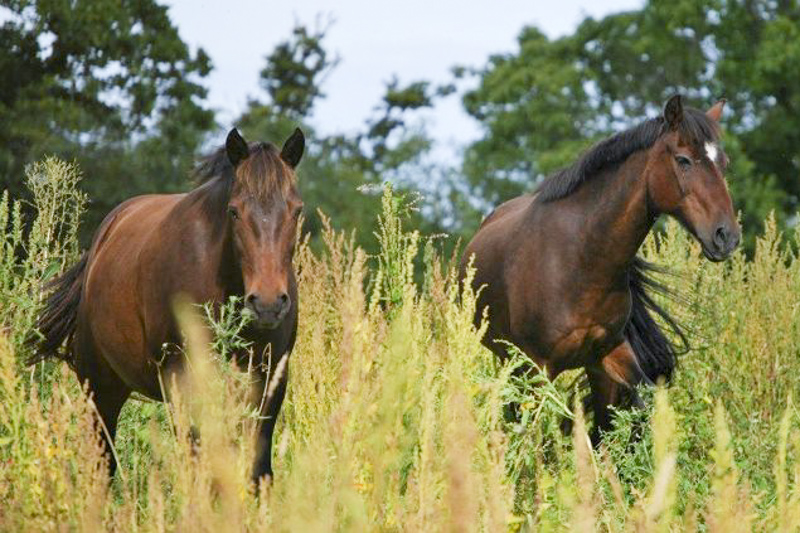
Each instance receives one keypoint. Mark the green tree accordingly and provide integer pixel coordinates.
(337, 170)
(295, 71)
(108, 83)
(551, 99)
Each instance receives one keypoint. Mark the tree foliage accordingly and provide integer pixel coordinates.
(338, 170)
(112, 85)
(108, 83)
(541, 105)
(295, 70)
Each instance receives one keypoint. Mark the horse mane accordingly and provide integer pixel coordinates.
(611, 152)
(263, 174)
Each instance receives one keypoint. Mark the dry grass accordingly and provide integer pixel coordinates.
(395, 414)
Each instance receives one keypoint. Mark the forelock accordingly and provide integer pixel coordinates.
(264, 174)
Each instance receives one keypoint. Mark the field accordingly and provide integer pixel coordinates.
(395, 414)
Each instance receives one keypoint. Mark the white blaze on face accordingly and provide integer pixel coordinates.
(712, 151)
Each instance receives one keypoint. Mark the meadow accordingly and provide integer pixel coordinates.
(396, 416)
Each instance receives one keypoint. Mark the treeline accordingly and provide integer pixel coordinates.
(113, 86)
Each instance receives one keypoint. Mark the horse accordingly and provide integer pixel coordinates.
(559, 269)
(233, 235)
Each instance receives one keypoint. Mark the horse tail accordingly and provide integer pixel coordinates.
(656, 353)
(56, 323)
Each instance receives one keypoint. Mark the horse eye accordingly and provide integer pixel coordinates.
(683, 161)
(234, 214)
(297, 211)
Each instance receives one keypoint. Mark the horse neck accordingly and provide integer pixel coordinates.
(616, 217)
(208, 223)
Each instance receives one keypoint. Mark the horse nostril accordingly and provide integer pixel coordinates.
(283, 300)
(721, 237)
(251, 301)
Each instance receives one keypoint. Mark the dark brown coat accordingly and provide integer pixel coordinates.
(559, 270)
(232, 236)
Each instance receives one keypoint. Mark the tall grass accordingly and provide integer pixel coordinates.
(396, 416)
(50, 243)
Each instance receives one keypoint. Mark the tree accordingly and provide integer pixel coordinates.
(542, 105)
(108, 83)
(337, 171)
(295, 71)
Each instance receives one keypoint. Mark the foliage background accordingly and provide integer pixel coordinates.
(129, 106)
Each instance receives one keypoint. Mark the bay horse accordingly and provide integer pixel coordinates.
(559, 267)
(233, 235)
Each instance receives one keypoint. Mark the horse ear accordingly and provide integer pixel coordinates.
(673, 112)
(293, 148)
(236, 147)
(715, 111)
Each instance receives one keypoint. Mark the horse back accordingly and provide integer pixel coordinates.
(507, 208)
(123, 234)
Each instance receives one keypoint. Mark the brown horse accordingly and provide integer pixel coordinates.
(234, 235)
(562, 279)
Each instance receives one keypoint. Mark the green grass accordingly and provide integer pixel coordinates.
(394, 418)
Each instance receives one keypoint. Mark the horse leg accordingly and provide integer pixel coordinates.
(613, 380)
(172, 372)
(270, 402)
(605, 393)
(109, 393)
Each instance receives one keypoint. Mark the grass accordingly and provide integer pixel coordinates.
(394, 418)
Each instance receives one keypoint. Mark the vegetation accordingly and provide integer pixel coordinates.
(108, 83)
(341, 173)
(394, 418)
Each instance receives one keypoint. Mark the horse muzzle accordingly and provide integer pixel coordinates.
(268, 315)
(722, 243)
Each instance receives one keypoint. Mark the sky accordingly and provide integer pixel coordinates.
(375, 40)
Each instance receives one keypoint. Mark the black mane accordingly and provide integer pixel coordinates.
(609, 153)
